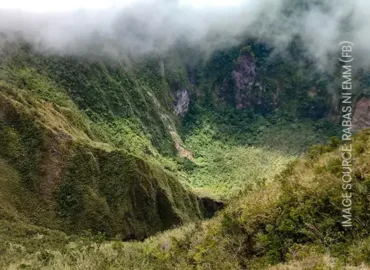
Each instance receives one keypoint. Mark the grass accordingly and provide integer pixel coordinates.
(84, 173)
(226, 170)
(239, 152)
(286, 224)
(87, 150)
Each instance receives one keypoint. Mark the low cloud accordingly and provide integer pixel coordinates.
(154, 27)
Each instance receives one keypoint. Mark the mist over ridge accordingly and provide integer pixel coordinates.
(154, 27)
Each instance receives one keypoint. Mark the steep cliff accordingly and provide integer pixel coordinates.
(86, 141)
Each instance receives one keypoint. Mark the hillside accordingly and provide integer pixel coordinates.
(291, 223)
(72, 165)
(228, 161)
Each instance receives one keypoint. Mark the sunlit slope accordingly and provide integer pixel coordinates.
(291, 223)
(65, 164)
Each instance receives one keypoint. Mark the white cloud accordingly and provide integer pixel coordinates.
(154, 26)
(73, 5)
(209, 3)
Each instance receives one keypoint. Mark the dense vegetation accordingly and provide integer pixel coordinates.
(290, 223)
(236, 149)
(90, 157)
(84, 165)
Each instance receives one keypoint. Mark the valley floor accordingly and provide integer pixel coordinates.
(89, 161)
(248, 234)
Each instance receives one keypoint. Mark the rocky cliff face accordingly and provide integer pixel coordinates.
(182, 100)
(248, 89)
(251, 77)
(91, 139)
(361, 116)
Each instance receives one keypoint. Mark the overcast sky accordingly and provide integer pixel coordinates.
(70, 5)
(115, 27)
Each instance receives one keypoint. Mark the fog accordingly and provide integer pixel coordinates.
(155, 27)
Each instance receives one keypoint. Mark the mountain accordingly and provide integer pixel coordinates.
(225, 152)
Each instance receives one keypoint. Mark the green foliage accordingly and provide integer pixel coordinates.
(22, 142)
(85, 143)
(238, 150)
(69, 140)
(70, 202)
(105, 91)
(221, 64)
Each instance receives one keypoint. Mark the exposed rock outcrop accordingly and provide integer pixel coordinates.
(248, 88)
(361, 116)
(182, 101)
